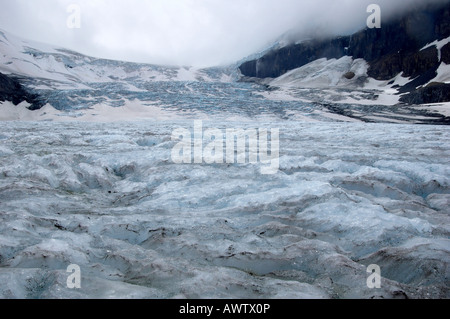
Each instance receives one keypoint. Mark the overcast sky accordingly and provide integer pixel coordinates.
(183, 32)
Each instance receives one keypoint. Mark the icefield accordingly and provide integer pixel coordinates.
(88, 178)
(109, 198)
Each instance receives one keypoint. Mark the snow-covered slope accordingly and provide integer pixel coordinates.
(324, 73)
(343, 80)
(69, 69)
(406, 61)
(347, 81)
(69, 80)
(329, 73)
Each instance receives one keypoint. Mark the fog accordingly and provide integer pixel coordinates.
(185, 32)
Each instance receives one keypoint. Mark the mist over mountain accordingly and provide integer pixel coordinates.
(188, 33)
(413, 45)
(403, 62)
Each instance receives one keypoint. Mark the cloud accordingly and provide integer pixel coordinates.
(184, 32)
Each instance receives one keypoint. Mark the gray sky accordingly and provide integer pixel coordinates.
(184, 32)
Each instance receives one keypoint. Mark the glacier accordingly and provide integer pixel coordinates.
(75, 86)
(107, 197)
(88, 179)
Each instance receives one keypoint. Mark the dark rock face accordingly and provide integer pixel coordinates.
(385, 68)
(390, 50)
(396, 47)
(432, 93)
(420, 62)
(413, 64)
(11, 90)
(445, 53)
(278, 62)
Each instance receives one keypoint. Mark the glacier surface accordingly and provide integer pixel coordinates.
(108, 197)
(88, 179)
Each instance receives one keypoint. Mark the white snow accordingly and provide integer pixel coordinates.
(439, 45)
(443, 74)
(16, 58)
(440, 108)
(186, 74)
(323, 73)
(131, 111)
(328, 75)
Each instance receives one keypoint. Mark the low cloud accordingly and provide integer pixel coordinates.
(185, 32)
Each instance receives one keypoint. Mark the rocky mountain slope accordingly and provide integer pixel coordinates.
(414, 46)
(12, 90)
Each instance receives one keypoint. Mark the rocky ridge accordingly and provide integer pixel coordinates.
(403, 45)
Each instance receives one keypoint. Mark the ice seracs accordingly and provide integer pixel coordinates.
(107, 197)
